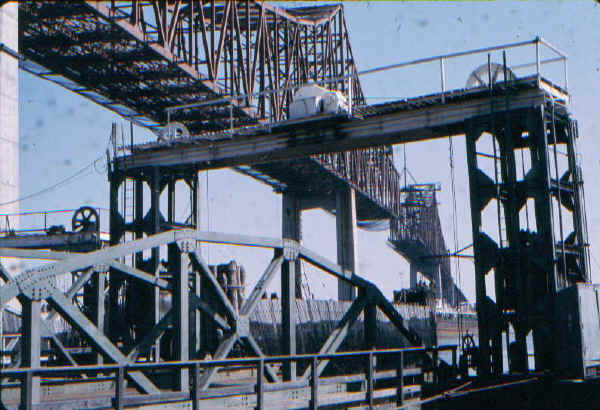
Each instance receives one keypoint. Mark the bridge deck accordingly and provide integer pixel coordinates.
(410, 120)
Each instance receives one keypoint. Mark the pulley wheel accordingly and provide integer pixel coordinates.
(85, 219)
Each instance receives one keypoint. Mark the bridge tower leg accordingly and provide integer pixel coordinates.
(290, 280)
(537, 253)
(347, 238)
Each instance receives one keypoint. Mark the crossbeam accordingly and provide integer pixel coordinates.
(399, 123)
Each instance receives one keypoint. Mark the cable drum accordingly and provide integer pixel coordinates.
(173, 130)
(480, 77)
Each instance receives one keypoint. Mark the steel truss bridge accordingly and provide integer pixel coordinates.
(140, 58)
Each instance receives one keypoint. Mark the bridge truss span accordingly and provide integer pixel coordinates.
(140, 57)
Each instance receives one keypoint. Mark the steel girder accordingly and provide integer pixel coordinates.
(37, 284)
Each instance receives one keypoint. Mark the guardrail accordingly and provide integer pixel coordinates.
(259, 388)
(42, 221)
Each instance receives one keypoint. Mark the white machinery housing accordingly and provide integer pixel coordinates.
(312, 100)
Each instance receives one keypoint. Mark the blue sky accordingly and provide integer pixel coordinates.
(62, 132)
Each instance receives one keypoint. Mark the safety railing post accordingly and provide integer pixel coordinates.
(565, 60)
(314, 384)
(435, 365)
(350, 96)
(400, 382)
(119, 387)
(443, 78)
(195, 386)
(26, 391)
(260, 372)
(453, 358)
(537, 59)
(369, 396)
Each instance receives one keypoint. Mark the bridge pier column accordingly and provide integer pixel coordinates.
(290, 280)
(413, 275)
(347, 238)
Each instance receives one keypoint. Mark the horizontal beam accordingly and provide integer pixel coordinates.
(33, 254)
(333, 134)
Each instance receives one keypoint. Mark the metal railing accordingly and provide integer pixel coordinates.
(42, 221)
(258, 388)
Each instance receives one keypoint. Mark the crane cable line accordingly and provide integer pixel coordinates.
(455, 238)
(92, 166)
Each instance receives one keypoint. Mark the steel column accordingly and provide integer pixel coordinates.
(413, 275)
(115, 279)
(290, 273)
(547, 282)
(98, 285)
(347, 238)
(155, 214)
(30, 350)
(472, 134)
(178, 265)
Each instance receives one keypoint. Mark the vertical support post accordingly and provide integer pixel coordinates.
(370, 323)
(537, 59)
(347, 238)
(566, 60)
(195, 316)
(350, 103)
(115, 237)
(413, 275)
(579, 215)
(547, 282)
(260, 375)
(196, 386)
(290, 273)
(400, 376)
(314, 384)
(119, 388)
(370, 371)
(443, 78)
(98, 285)
(155, 190)
(472, 135)
(31, 341)
(138, 218)
(171, 199)
(435, 365)
(178, 264)
(453, 357)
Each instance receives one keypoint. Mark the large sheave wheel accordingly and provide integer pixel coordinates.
(85, 219)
